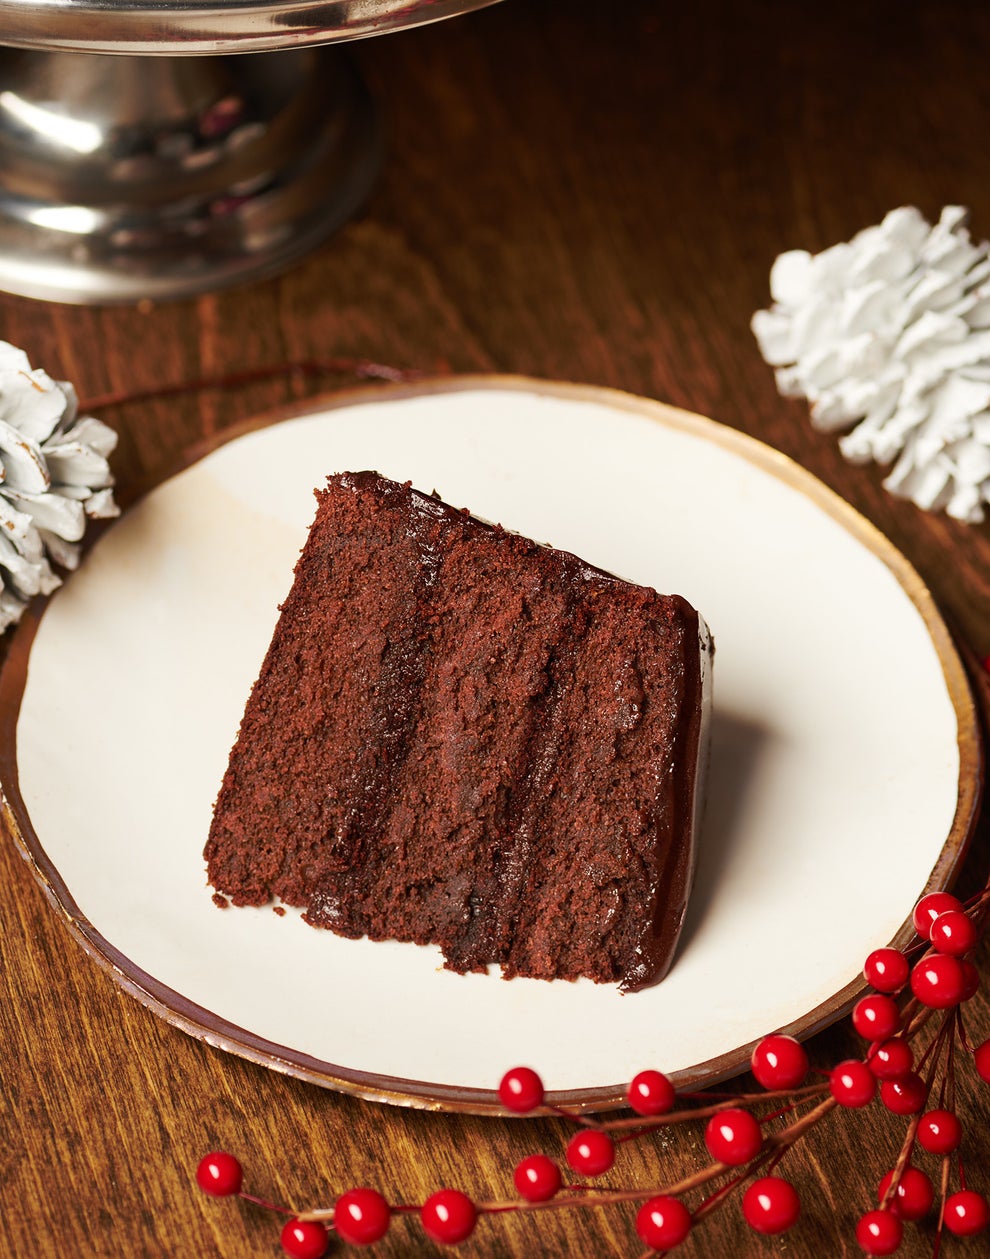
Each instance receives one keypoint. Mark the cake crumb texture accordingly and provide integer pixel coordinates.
(462, 738)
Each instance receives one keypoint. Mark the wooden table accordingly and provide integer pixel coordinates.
(578, 191)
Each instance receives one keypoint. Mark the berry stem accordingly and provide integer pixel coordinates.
(943, 1194)
(706, 1112)
(776, 1145)
(363, 369)
(719, 1196)
(963, 1037)
(903, 1158)
(785, 1139)
(263, 1202)
(325, 1215)
(601, 1197)
(916, 1016)
(586, 1121)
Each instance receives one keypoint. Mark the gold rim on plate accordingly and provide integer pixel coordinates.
(203, 1024)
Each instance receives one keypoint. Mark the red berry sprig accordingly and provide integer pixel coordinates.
(663, 1222)
(887, 970)
(852, 1084)
(913, 1196)
(361, 1216)
(521, 1090)
(771, 1205)
(219, 1174)
(734, 1137)
(879, 1232)
(651, 1093)
(939, 1132)
(591, 1152)
(537, 1178)
(779, 1062)
(305, 1239)
(913, 991)
(449, 1216)
(966, 1213)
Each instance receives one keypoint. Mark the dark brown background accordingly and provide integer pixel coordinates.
(578, 191)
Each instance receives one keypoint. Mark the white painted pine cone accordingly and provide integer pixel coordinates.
(888, 337)
(54, 475)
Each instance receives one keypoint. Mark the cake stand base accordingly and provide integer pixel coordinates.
(132, 177)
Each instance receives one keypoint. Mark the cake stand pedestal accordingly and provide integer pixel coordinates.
(130, 177)
(145, 155)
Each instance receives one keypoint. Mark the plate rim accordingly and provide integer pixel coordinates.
(203, 1024)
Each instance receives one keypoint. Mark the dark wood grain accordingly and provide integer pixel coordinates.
(574, 190)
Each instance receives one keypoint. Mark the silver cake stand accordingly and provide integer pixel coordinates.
(145, 155)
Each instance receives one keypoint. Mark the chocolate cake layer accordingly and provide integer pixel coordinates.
(462, 738)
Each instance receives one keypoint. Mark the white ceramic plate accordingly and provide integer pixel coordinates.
(843, 772)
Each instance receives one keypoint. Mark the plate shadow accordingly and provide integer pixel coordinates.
(738, 744)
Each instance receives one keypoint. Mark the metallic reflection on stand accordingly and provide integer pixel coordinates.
(131, 169)
(156, 177)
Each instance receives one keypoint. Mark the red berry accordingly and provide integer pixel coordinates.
(890, 1059)
(879, 1232)
(953, 932)
(906, 1095)
(914, 1197)
(663, 1223)
(591, 1152)
(537, 1178)
(219, 1174)
(521, 1090)
(929, 908)
(982, 1060)
(771, 1205)
(779, 1062)
(448, 1216)
(651, 1093)
(966, 1213)
(852, 1084)
(887, 970)
(876, 1017)
(939, 1132)
(733, 1136)
(361, 1216)
(971, 979)
(305, 1239)
(938, 981)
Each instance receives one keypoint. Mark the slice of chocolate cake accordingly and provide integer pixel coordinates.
(462, 738)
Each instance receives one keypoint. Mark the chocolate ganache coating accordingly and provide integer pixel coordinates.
(462, 738)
